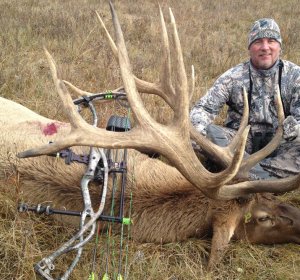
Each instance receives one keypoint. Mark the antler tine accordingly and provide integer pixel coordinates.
(255, 158)
(223, 155)
(243, 124)
(134, 99)
(76, 89)
(81, 92)
(165, 76)
(80, 129)
(181, 114)
(73, 116)
(277, 186)
(110, 40)
(192, 83)
(142, 86)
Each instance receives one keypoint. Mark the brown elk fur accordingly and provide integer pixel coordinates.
(166, 208)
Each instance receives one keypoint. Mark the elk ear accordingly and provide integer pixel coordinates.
(224, 227)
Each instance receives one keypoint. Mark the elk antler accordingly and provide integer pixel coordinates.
(163, 88)
(172, 141)
(222, 155)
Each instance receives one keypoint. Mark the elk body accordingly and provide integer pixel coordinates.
(167, 208)
(170, 203)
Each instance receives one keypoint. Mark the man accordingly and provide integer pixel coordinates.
(260, 75)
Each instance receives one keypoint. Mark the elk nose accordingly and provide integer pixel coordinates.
(296, 238)
(297, 227)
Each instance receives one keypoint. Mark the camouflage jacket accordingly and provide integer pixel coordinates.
(228, 90)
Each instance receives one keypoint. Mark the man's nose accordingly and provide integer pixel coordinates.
(265, 45)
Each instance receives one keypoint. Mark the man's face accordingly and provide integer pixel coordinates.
(264, 52)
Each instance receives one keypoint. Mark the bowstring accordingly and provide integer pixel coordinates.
(129, 213)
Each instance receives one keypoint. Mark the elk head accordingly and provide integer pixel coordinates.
(270, 222)
(173, 141)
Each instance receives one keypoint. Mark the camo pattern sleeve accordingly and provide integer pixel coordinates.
(226, 90)
(290, 88)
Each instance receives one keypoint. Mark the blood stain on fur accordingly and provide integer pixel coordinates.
(50, 129)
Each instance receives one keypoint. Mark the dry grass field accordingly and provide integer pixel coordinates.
(214, 38)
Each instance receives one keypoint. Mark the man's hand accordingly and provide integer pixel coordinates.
(291, 129)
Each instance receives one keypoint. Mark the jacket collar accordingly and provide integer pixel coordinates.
(264, 73)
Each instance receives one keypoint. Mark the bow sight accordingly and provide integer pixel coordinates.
(100, 165)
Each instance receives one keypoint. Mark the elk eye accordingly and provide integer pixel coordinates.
(263, 219)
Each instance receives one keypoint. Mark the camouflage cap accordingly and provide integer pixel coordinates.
(264, 28)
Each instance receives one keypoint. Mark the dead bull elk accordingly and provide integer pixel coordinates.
(207, 203)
